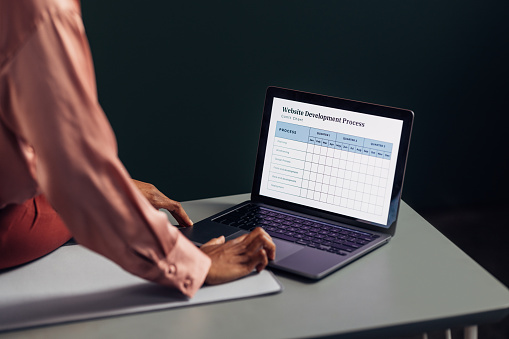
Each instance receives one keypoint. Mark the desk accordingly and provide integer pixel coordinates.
(419, 281)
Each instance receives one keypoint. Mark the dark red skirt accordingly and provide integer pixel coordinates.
(29, 231)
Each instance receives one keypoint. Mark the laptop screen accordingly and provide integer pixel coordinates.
(331, 159)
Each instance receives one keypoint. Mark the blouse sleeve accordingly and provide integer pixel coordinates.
(52, 105)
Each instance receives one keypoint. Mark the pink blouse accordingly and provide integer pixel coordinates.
(55, 139)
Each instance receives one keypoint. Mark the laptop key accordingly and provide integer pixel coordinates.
(351, 244)
(342, 247)
(324, 247)
(227, 221)
(282, 236)
(365, 238)
(336, 251)
(247, 226)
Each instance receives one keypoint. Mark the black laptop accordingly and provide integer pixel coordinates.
(327, 183)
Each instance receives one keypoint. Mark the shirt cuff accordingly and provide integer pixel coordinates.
(185, 267)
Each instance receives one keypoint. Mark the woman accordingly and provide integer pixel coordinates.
(55, 140)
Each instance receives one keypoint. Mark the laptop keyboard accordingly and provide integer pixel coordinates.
(307, 232)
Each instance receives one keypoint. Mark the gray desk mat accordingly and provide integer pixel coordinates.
(74, 283)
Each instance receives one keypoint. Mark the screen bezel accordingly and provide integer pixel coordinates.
(406, 116)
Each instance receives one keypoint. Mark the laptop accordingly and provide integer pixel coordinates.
(327, 181)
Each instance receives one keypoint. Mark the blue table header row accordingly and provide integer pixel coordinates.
(345, 142)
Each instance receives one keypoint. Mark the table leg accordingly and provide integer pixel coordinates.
(471, 332)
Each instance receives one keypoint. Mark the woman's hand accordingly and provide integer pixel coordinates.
(238, 257)
(159, 200)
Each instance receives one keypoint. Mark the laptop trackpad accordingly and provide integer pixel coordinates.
(285, 248)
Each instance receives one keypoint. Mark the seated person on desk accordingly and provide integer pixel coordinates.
(58, 151)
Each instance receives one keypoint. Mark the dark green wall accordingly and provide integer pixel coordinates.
(183, 85)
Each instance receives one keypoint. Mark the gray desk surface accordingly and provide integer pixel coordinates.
(417, 282)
